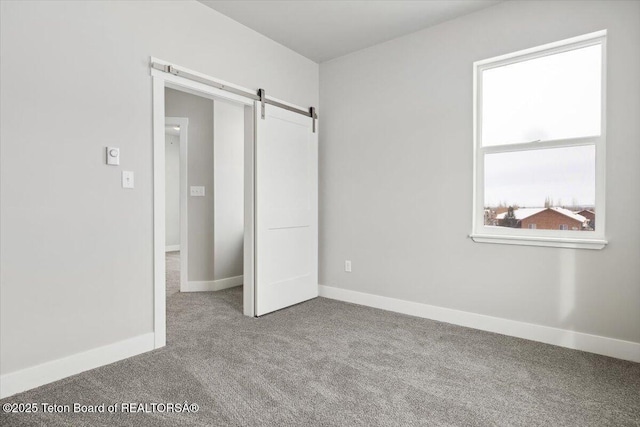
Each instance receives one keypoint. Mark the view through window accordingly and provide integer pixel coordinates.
(544, 188)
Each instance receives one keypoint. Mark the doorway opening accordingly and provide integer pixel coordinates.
(200, 132)
(176, 203)
(204, 188)
(279, 246)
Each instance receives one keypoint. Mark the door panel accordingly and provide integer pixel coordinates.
(286, 209)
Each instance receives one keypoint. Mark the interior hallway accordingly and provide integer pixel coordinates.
(328, 363)
(172, 260)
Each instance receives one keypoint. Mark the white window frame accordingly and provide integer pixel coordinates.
(537, 237)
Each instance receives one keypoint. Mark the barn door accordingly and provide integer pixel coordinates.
(286, 215)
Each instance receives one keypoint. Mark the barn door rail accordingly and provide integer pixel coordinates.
(260, 95)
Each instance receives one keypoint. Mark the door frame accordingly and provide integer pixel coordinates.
(161, 81)
(183, 123)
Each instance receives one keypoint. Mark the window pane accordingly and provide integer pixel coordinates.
(546, 188)
(552, 97)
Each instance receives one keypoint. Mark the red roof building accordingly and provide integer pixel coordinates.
(548, 219)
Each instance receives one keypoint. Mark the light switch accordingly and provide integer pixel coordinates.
(197, 191)
(113, 156)
(127, 179)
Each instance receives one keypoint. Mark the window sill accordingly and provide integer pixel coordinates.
(553, 242)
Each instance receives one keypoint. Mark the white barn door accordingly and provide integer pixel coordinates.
(286, 209)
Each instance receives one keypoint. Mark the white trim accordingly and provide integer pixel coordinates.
(183, 123)
(601, 157)
(538, 237)
(248, 292)
(197, 88)
(612, 347)
(35, 376)
(172, 248)
(559, 242)
(159, 238)
(542, 145)
(543, 50)
(213, 285)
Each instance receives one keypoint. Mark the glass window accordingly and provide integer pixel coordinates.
(551, 97)
(539, 117)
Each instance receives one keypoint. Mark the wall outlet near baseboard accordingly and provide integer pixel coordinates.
(347, 266)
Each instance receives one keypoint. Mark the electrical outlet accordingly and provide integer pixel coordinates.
(347, 266)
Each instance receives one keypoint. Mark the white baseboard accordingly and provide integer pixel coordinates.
(212, 285)
(171, 248)
(612, 347)
(35, 376)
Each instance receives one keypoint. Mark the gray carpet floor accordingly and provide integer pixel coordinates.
(328, 363)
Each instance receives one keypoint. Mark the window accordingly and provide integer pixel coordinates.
(539, 145)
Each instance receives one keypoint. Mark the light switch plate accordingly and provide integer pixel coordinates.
(197, 191)
(113, 156)
(127, 179)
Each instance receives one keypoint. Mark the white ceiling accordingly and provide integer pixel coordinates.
(323, 29)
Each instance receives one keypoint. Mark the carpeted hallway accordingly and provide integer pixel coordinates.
(328, 363)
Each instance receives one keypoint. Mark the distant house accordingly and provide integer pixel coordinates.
(547, 219)
(590, 215)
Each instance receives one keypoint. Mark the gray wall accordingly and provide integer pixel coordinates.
(200, 213)
(172, 189)
(396, 175)
(228, 158)
(76, 269)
